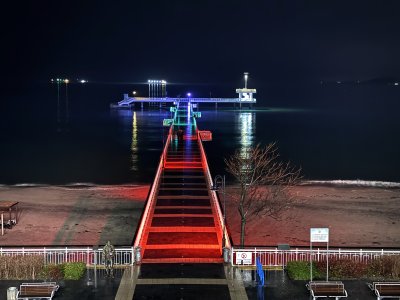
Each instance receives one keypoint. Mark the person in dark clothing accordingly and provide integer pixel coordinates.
(180, 134)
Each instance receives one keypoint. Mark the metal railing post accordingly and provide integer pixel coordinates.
(44, 256)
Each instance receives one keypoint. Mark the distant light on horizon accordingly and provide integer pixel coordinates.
(189, 94)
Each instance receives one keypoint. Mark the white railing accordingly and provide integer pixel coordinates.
(87, 255)
(275, 257)
(153, 193)
(214, 198)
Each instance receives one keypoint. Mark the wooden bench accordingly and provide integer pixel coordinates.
(385, 289)
(37, 290)
(326, 289)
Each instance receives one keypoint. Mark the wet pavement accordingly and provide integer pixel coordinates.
(200, 281)
(182, 281)
(185, 291)
(84, 289)
(279, 287)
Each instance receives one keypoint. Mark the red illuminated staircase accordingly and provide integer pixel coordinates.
(182, 224)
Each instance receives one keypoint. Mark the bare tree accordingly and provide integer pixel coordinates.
(264, 183)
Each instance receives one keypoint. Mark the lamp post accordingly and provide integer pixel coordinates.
(219, 184)
(246, 76)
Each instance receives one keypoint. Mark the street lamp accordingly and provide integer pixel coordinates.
(219, 184)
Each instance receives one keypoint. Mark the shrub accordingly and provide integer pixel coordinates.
(21, 267)
(344, 268)
(74, 270)
(53, 272)
(387, 267)
(300, 270)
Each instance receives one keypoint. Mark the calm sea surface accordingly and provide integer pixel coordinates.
(332, 132)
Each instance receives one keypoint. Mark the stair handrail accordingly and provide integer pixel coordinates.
(153, 192)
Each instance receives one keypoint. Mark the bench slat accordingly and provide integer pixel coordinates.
(387, 288)
(327, 289)
(38, 290)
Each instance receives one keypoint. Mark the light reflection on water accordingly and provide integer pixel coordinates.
(134, 144)
(246, 126)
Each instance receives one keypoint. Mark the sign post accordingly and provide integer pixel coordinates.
(319, 235)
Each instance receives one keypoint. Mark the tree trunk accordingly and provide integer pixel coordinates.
(242, 232)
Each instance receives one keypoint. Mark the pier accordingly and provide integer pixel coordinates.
(158, 96)
(182, 221)
(129, 102)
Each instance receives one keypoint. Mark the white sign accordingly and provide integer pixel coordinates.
(319, 235)
(244, 258)
(168, 122)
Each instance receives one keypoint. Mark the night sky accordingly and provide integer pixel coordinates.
(201, 42)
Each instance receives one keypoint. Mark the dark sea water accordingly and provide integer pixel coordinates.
(344, 132)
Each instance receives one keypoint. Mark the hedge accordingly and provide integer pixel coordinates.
(32, 267)
(381, 268)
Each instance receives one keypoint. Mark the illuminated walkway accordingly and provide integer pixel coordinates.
(182, 223)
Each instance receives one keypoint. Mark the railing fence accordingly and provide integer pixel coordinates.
(123, 256)
(280, 258)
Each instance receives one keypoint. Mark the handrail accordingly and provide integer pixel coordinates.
(153, 191)
(209, 180)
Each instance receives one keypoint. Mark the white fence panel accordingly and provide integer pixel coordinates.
(276, 257)
(89, 256)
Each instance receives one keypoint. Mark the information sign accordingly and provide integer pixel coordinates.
(319, 235)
